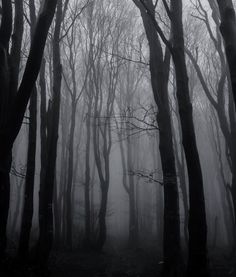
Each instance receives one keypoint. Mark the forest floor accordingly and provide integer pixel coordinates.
(137, 263)
(127, 263)
(123, 263)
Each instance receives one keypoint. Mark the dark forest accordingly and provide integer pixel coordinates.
(117, 138)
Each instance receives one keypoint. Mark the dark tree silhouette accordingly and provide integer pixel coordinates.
(197, 261)
(27, 216)
(228, 31)
(12, 119)
(159, 68)
(45, 240)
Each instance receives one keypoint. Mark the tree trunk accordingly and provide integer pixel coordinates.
(27, 215)
(133, 228)
(28, 208)
(102, 217)
(228, 31)
(87, 179)
(8, 135)
(46, 190)
(197, 260)
(69, 222)
(5, 154)
(159, 68)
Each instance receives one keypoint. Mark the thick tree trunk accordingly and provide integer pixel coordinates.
(159, 68)
(46, 190)
(27, 215)
(197, 260)
(5, 153)
(28, 208)
(8, 135)
(5, 166)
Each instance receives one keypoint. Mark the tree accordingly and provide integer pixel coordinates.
(12, 119)
(224, 113)
(29, 181)
(197, 259)
(46, 190)
(159, 68)
(228, 31)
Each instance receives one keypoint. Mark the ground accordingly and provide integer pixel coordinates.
(137, 263)
(126, 263)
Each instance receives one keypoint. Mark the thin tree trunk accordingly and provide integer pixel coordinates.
(87, 179)
(70, 177)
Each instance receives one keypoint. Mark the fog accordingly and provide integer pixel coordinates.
(120, 145)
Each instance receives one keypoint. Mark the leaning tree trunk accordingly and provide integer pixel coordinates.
(28, 208)
(9, 133)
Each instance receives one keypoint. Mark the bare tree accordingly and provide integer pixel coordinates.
(14, 119)
(228, 31)
(159, 68)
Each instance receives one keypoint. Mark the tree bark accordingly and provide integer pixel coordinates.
(197, 259)
(46, 190)
(69, 222)
(8, 134)
(228, 31)
(27, 215)
(87, 179)
(159, 68)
